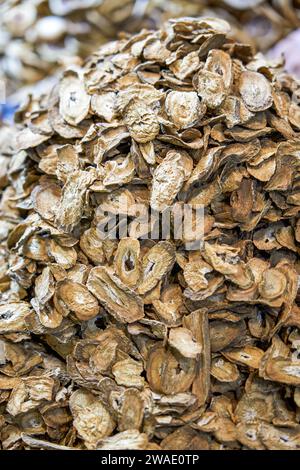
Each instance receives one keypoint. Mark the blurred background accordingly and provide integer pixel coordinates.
(39, 37)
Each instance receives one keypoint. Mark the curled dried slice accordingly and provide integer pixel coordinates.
(273, 284)
(255, 91)
(13, 317)
(211, 88)
(169, 308)
(224, 371)
(121, 302)
(126, 440)
(71, 205)
(72, 297)
(184, 108)
(220, 62)
(91, 244)
(128, 373)
(103, 105)
(225, 260)
(74, 102)
(168, 374)
(119, 171)
(46, 199)
(195, 274)
(197, 323)
(91, 418)
(141, 121)
(168, 179)
(182, 340)
(29, 393)
(155, 265)
(247, 356)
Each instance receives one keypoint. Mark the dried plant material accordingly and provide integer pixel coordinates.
(119, 299)
(168, 179)
(211, 88)
(155, 265)
(255, 91)
(74, 102)
(182, 340)
(119, 330)
(184, 108)
(72, 297)
(91, 419)
(168, 374)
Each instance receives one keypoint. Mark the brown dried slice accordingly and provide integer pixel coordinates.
(141, 121)
(283, 370)
(128, 373)
(126, 440)
(13, 317)
(155, 265)
(169, 308)
(103, 105)
(226, 261)
(264, 171)
(168, 374)
(185, 66)
(121, 302)
(70, 209)
(168, 179)
(91, 418)
(46, 199)
(279, 438)
(72, 297)
(182, 340)
(29, 393)
(184, 108)
(197, 323)
(235, 111)
(65, 256)
(273, 284)
(91, 243)
(224, 371)
(220, 62)
(119, 171)
(186, 438)
(223, 334)
(126, 262)
(131, 401)
(211, 88)
(195, 275)
(74, 102)
(67, 163)
(246, 356)
(255, 90)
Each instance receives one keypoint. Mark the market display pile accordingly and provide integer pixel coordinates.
(141, 343)
(38, 36)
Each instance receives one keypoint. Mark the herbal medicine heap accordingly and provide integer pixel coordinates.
(38, 36)
(201, 344)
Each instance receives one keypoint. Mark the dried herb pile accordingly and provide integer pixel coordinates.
(37, 36)
(143, 344)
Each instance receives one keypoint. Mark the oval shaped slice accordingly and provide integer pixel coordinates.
(255, 91)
